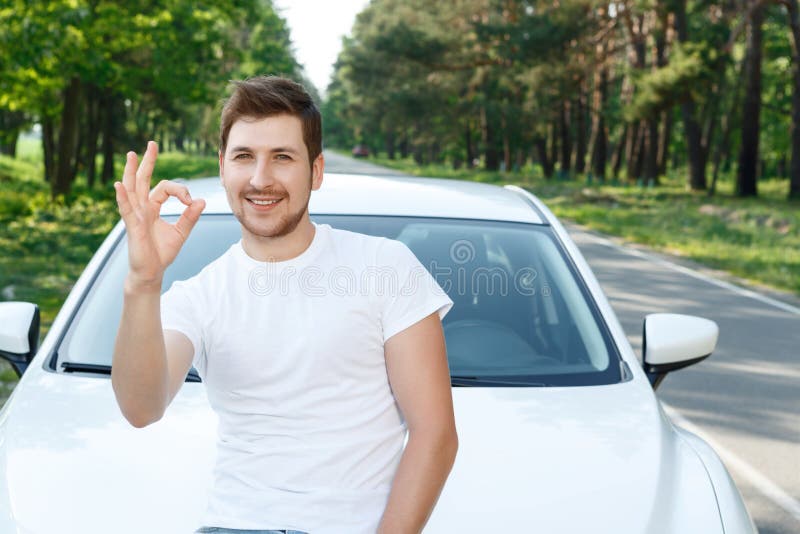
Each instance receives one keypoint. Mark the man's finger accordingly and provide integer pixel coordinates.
(189, 217)
(166, 189)
(129, 178)
(145, 171)
(124, 205)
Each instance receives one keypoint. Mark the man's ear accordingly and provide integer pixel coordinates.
(317, 170)
(221, 164)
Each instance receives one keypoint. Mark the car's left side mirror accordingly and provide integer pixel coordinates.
(671, 342)
(19, 333)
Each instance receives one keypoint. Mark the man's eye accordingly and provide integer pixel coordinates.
(283, 157)
(241, 156)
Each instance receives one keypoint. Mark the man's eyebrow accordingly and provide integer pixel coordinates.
(283, 149)
(273, 150)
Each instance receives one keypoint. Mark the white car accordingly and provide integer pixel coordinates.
(560, 430)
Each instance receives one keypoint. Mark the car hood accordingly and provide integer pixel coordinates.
(588, 459)
(74, 464)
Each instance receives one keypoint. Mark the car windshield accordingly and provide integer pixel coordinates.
(521, 315)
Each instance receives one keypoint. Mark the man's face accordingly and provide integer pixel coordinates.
(266, 160)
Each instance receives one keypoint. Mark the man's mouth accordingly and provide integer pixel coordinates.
(263, 203)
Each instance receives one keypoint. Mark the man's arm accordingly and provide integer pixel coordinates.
(149, 365)
(416, 360)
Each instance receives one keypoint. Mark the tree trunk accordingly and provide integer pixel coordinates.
(10, 124)
(598, 139)
(694, 150)
(93, 135)
(390, 144)
(404, 149)
(491, 156)
(665, 133)
(470, 147)
(632, 145)
(9, 145)
(544, 158)
(506, 144)
(67, 139)
(552, 143)
(653, 146)
(616, 157)
(580, 135)
(49, 147)
(650, 158)
(566, 141)
(747, 173)
(109, 122)
(794, 169)
(599, 151)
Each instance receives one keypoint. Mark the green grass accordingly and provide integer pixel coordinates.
(46, 243)
(756, 239)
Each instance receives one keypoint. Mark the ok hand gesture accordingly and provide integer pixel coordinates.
(152, 242)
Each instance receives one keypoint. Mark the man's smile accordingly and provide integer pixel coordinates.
(263, 204)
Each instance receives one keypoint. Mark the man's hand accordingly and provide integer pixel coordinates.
(152, 242)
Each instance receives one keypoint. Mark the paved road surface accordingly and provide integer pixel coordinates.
(744, 399)
(338, 163)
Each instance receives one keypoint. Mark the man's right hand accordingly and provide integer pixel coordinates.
(152, 242)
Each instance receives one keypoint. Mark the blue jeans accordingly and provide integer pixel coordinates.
(222, 530)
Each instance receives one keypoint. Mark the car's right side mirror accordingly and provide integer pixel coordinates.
(671, 342)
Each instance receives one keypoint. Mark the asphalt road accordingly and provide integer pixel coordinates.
(745, 399)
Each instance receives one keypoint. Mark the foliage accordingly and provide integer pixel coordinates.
(629, 88)
(104, 73)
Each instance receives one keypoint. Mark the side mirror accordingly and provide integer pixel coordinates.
(671, 342)
(19, 333)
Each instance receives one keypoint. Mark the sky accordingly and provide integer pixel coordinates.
(317, 27)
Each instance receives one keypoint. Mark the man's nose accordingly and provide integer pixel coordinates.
(262, 175)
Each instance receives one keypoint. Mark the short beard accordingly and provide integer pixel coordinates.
(285, 226)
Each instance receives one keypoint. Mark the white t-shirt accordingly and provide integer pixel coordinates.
(292, 358)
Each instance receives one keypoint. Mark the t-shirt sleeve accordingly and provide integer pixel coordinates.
(416, 293)
(180, 311)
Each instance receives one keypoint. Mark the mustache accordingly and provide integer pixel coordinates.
(266, 191)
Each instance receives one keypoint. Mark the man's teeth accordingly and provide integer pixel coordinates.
(263, 202)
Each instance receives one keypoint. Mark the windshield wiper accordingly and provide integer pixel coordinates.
(471, 381)
(77, 367)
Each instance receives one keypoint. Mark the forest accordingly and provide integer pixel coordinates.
(620, 92)
(97, 77)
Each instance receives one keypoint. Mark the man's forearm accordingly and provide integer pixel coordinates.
(423, 470)
(139, 371)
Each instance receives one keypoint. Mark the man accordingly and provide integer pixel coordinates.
(314, 390)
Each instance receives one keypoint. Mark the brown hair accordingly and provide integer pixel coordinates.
(267, 96)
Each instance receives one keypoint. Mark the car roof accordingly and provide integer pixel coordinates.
(358, 194)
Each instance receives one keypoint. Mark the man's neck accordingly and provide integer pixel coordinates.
(281, 248)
